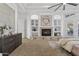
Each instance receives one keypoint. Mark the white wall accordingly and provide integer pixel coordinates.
(21, 22)
(28, 27)
(7, 15)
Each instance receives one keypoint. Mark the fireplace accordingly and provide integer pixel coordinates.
(46, 32)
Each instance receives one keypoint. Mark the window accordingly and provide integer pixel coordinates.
(34, 17)
(57, 17)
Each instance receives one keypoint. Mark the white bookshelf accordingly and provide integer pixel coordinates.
(57, 27)
(34, 25)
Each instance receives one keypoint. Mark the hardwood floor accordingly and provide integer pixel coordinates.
(38, 48)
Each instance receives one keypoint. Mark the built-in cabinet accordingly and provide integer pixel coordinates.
(57, 27)
(46, 22)
(70, 29)
(34, 26)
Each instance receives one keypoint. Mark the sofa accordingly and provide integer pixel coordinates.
(69, 44)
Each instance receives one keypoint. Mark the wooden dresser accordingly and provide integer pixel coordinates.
(9, 43)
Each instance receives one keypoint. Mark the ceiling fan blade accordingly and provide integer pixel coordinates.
(58, 7)
(63, 7)
(72, 14)
(69, 15)
(74, 4)
(54, 5)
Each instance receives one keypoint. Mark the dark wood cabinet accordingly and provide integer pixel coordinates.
(9, 43)
(0, 45)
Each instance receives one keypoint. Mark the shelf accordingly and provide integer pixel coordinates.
(57, 31)
(34, 25)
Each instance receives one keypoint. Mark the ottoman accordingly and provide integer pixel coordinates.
(75, 50)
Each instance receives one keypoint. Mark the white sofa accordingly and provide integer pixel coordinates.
(67, 43)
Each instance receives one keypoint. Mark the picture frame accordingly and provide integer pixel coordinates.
(46, 20)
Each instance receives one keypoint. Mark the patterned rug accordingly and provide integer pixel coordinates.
(37, 48)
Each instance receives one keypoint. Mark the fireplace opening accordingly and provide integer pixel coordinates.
(46, 32)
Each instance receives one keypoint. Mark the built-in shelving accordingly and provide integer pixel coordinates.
(57, 27)
(34, 26)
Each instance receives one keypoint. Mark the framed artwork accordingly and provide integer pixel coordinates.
(46, 20)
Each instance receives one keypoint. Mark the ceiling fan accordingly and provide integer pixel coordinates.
(69, 15)
(61, 4)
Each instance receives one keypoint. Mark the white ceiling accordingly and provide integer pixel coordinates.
(25, 6)
(39, 6)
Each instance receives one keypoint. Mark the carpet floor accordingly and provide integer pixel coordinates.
(38, 48)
